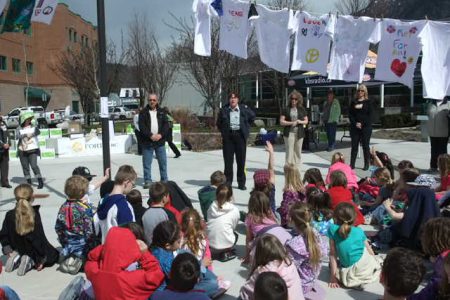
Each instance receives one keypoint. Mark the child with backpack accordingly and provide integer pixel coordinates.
(223, 217)
(207, 194)
(271, 256)
(74, 225)
(348, 244)
(322, 214)
(22, 235)
(306, 250)
(293, 192)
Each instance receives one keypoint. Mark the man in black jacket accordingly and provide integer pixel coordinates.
(154, 127)
(234, 123)
(4, 155)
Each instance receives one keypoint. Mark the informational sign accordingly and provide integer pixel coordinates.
(104, 113)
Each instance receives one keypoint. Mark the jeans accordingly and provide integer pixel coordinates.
(28, 159)
(331, 128)
(147, 158)
(207, 283)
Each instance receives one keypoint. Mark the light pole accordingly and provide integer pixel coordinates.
(102, 83)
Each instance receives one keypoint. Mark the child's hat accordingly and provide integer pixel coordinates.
(83, 171)
(261, 177)
(423, 180)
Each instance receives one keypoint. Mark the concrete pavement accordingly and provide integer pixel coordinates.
(191, 171)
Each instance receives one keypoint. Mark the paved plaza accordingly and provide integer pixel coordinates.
(191, 171)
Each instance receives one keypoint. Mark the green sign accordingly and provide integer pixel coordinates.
(55, 132)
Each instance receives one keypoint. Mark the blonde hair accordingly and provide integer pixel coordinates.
(301, 215)
(337, 157)
(298, 95)
(292, 178)
(224, 193)
(25, 216)
(364, 88)
(76, 187)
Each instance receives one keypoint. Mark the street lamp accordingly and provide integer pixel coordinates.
(103, 82)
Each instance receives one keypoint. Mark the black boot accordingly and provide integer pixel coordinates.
(40, 183)
(29, 181)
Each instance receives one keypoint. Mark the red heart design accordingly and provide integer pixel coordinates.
(398, 67)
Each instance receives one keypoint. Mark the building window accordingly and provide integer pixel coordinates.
(70, 34)
(16, 65)
(30, 68)
(74, 36)
(3, 66)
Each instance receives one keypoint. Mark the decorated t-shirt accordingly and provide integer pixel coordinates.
(351, 41)
(273, 34)
(234, 27)
(398, 50)
(202, 40)
(312, 41)
(435, 38)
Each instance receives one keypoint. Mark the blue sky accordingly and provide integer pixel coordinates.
(120, 12)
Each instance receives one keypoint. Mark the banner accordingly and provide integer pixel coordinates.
(44, 10)
(18, 16)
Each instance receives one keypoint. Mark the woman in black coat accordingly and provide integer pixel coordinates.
(360, 115)
(22, 235)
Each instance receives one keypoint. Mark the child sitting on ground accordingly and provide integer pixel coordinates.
(74, 225)
(322, 214)
(306, 250)
(444, 172)
(314, 178)
(184, 275)
(223, 217)
(435, 240)
(339, 193)
(380, 160)
(401, 274)
(22, 235)
(114, 209)
(372, 194)
(264, 179)
(134, 197)
(108, 270)
(194, 238)
(357, 262)
(166, 244)
(271, 256)
(270, 286)
(260, 219)
(207, 194)
(156, 213)
(293, 192)
(338, 164)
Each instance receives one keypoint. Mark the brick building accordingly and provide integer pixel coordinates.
(28, 57)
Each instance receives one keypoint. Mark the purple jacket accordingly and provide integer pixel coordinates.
(432, 288)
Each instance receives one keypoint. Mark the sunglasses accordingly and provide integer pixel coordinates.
(294, 98)
(361, 90)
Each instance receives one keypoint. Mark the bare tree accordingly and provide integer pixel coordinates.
(78, 67)
(207, 75)
(351, 7)
(153, 69)
(115, 66)
(293, 4)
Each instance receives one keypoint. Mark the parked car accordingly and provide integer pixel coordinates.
(72, 116)
(53, 118)
(12, 118)
(121, 113)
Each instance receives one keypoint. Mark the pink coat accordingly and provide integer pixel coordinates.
(287, 272)
(352, 180)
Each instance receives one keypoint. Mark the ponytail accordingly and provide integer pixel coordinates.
(24, 217)
(344, 230)
(344, 215)
(313, 246)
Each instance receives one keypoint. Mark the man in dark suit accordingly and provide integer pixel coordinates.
(154, 127)
(234, 123)
(4, 155)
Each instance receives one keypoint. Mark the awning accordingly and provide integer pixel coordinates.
(35, 92)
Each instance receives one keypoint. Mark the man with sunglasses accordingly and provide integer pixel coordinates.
(154, 127)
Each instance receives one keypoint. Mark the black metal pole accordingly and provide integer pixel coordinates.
(102, 81)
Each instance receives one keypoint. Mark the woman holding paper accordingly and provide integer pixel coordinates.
(28, 147)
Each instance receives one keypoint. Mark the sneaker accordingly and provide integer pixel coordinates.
(26, 264)
(224, 284)
(74, 265)
(147, 185)
(13, 262)
(226, 256)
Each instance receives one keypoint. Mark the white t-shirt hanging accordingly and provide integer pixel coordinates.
(312, 41)
(234, 27)
(273, 34)
(398, 51)
(435, 38)
(351, 41)
(202, 40)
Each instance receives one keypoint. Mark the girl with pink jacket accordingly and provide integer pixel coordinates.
(338, 164)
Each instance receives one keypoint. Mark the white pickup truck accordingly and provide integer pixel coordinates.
(43, 118)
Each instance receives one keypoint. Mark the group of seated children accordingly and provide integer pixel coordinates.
(170, 255)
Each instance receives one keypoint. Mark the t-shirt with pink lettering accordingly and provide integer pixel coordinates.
(234, 27)
(398, 50)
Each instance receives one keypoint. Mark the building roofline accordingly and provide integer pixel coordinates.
(78, 15)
